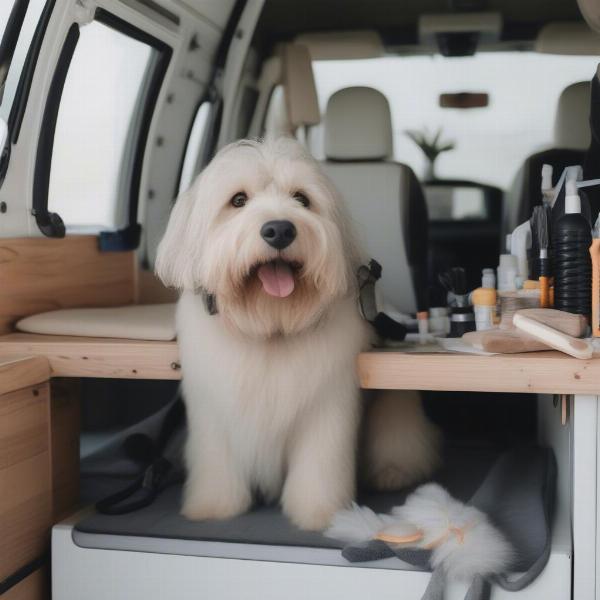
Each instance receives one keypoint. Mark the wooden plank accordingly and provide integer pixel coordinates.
(17, 372)
(535, 372)
(42, 274)
(97, 357)
(65, 419)
(26, 499)
(34, 587)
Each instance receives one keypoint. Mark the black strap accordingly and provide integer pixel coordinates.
(145, 488)
(383, 324)
(139, 494)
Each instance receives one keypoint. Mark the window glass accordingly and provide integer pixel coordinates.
(5, 10)
(491, 143)
(30, 23)
(194, 147)
(94, 138)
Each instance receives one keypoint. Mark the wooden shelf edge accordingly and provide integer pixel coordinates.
(535, 372)
(18, 372)
(98, 357)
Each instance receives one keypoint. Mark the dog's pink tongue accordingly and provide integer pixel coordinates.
(277, 279)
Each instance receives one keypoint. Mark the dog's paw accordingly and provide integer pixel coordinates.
(310, 518)
(198, 508)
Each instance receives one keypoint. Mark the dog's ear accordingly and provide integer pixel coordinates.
(173, 264)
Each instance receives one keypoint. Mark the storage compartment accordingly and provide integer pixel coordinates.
(25, 478)
(155, 553)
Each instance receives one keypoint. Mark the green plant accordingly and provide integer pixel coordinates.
(431, 146)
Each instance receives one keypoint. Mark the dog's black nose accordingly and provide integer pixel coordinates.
(279, 234)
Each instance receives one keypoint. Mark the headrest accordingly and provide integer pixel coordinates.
(358, 125)
(590, 9)
(298, 81)
(568, 37)
(571, 127)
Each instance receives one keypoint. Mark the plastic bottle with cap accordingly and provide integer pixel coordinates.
(439, 321)
(571, 240)
(488, 278)
(507, 273)
(484, 305)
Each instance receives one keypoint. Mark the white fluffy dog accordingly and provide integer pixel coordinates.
(272, 397)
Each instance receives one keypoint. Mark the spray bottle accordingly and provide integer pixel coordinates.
(571, 240)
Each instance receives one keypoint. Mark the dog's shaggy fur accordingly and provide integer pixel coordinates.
(272, 396)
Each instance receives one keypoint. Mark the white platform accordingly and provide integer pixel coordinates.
(97, 574)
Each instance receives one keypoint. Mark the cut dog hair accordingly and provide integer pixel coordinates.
(269, 331)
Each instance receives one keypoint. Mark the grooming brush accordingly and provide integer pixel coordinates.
(462, 318)
(540, 223)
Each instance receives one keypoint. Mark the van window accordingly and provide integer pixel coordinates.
(27, 30)
(491, 143)
(194, 147)
(94, 137)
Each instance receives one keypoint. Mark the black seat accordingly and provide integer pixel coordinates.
(571, 140)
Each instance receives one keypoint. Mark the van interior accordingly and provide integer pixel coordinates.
(433, 118)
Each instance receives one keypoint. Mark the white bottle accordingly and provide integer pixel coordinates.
(488, 278)
(507, 273)
(439, 323)
(519, 244)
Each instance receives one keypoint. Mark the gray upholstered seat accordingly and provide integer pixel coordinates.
(384, 197)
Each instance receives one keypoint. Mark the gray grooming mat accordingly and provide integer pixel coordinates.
(510, 486)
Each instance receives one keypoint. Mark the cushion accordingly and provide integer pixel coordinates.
(136, 322)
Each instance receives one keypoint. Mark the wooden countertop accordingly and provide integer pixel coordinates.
(534, 372)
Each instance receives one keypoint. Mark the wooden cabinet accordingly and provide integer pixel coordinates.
(25, 472)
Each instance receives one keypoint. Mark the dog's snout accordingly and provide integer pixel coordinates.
(279, 234)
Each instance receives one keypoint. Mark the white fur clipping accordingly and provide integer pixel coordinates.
(357, 524)
(464, 542)
(470, 545)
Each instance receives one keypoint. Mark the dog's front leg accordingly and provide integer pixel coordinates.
(321, 463)
(402, 447)
(215, 487)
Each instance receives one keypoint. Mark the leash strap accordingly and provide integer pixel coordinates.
(145, 488)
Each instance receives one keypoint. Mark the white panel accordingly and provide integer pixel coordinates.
(553, 434)
(99, 574)
(585, 440)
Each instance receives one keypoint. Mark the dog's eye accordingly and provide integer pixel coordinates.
(300, 197)
(239, 199)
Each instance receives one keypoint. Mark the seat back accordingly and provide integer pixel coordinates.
(384, 197)
(571, 140)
